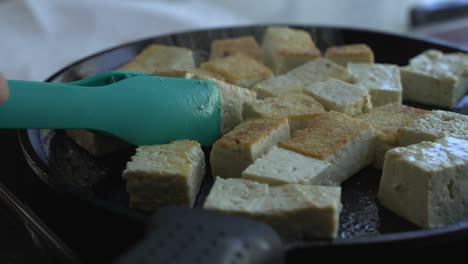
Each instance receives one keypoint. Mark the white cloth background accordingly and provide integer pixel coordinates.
(40, 37)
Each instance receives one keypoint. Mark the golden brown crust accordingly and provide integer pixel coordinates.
(249, 132)
(389, 118)
(311, 52)
(350, 53)
(358, 48)
(246, 45)
(325, 134)
(290, 104)
(237, 67)
(156, 56)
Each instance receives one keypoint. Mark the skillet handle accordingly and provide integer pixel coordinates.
(186, 235)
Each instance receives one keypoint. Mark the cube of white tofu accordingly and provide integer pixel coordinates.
(382, 80)
(432, 126)
(281, 166)
(161, 57)
(165, 175)
(345, 142)
(435, 78)
(236, 150)
(295, 211)
(340, 96)
(297, 107)
(285, 48)
(295, 80)
(427, 183)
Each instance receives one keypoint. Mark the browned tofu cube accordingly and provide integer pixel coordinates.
(356, 53)
(159, 57)
(343, 141)
(247, 45)
(386, 121)
(285, 48)
(238, 69)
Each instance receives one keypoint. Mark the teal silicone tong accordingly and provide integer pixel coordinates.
(139, 108)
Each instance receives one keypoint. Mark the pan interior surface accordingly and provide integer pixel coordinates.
(100, 180)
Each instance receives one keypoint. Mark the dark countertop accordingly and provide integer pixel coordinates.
(16, 244)
(75, 229)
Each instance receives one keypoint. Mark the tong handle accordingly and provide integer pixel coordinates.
(194, 235)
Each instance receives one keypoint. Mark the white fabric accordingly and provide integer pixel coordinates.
(40, 37)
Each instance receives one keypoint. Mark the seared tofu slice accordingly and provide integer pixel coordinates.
(352, 53)
(436, 78)
(246, 45)
(236, 150)
(434, 125)
(386, 121)
(382, 80)
(297, 79)
(281, 166)
(285, 48)
(427, 183)
(343, 141)
(297, 107)
(165, 175)
(295, 211)
(161, 57)
(238, 69)
(340, 96)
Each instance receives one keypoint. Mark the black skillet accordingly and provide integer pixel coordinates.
(96, 182)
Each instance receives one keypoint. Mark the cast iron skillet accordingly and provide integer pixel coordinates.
(97, 182)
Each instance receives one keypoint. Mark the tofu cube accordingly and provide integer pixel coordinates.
(340, 96)
(386, 120)
(238, 69)
(343, 141)
(232, 97)
(297, 79)
(282, 166)
(285, 48)
(297, 107)
(246, 45)
(236, 150)
(427, 183)
(161, 57)
(237, 196)
(435, 78)
(432, 126)
(294, 211)
(165, 175)
(382, 80)
(352, 53)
